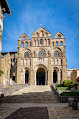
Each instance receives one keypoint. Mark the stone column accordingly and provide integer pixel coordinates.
(46, 79)
(52, 74)
(39, 42)
(59, 78)
(49, 71)
(24, 44)
(32, 80)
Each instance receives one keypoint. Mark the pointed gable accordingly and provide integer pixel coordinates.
(41, 32)
(59, 34)
(24, 37)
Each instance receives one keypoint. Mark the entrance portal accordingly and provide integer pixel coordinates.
(54, 76)
(40, 76)
(27, 77)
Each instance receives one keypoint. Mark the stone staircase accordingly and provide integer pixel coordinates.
(11, 89)
(32, 94)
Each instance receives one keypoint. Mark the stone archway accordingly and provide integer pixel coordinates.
(55, 75)
(26, 76)
(40, 76)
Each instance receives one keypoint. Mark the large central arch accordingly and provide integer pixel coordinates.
(40, 76)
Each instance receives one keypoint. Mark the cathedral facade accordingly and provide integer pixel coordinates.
(41, 60)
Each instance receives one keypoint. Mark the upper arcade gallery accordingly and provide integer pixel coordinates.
(41, 60)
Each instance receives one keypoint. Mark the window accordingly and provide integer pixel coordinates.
(24, 38)
(61, 43)
(22, 44)
(58, 36)
(37, 35)
(41, 53)
(56, 54)
(41, 41)
(26, 44)
(26, 55)
(56, 43)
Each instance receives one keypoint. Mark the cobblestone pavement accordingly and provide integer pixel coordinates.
(55, 111)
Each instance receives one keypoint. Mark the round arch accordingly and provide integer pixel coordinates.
(27, 79)
(55, 75)
(41, 75)
(39, 49)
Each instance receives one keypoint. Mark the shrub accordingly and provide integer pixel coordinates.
(1, 72)
(67, 83)
(70, 94)
(60, 85)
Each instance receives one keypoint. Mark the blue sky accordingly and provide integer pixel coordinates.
(54, 15)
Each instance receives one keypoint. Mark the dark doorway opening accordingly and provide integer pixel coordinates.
(40, 76)
(13, 78)
(27, 77)
(54, 76)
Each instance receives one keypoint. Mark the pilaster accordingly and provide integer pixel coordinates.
(49, 71)
(32, 80)
(59, 78)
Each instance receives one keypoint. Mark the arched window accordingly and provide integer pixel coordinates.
(56, 54)
(41, 41)
(61, 43)
(26, 55)
(58, 36)
(22, 44)
(56, 43)
(24, 38)
(26, 44)
(41, 53)
(37, 35)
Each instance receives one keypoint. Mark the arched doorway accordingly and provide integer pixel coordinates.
(40, 76)
(26, 77)
(54, 76)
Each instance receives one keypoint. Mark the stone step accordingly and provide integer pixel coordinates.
(32, 94)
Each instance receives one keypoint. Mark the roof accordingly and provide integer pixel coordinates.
(5, 5)
(42, 28)
(3, 53)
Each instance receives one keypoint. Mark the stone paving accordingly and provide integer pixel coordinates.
(55, 111)
(30, 113)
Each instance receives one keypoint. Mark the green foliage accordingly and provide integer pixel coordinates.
(62, 88)
(1, 72)
(67, 83)
(70, 94)
(59, 85)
